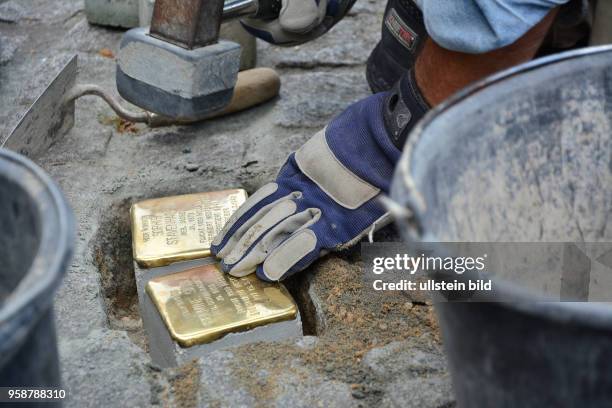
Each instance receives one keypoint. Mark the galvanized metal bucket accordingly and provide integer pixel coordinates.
(36, 243)
(523, 156)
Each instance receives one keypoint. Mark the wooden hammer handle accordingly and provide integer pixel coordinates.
(253, 87)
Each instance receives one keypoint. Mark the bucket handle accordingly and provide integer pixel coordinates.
(405, 217)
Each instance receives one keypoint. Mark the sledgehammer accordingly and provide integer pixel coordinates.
(178, 68)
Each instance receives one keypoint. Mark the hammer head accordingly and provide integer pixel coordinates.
(173, 81)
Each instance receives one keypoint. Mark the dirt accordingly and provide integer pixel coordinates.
(357, 320)
(184, 383)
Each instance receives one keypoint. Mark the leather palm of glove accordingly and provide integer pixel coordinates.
(325, 197)
(299, 21)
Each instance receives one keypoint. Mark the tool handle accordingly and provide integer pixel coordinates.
(268, 9)
(253, 87)
(262, 9)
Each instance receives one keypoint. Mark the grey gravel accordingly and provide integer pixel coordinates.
(11, 12)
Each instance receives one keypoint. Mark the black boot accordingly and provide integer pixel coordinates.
(403, 34)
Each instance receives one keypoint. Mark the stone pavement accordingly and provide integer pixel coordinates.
(362, 348)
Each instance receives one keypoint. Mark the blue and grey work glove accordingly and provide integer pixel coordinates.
(299, 21)
(325, 197)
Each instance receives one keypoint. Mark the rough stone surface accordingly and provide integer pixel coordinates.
(11, 12)
(89, 382)
(314, 106)
(8, 47)
(414, 374)
(434, 392)
(115, 13)
(363, 348)
(402, 357)
(213, 391)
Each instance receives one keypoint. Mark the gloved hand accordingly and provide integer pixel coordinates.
(325, 196)
(299, 21)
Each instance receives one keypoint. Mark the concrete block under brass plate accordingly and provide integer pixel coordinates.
(193, 312)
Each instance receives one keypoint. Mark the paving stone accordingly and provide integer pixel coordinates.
(307, 342)
(115, 13)
(53, 12)
(8, 47)
(326, 95)
(86, 38)
(368, 6)
(431, 392)
(11, 12)
(413, 374)
(405, 358)
(221, 384)
(217, 384)
(306, 388)
(104, 368)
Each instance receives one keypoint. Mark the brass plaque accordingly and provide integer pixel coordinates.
(203, 304)
(180, 228)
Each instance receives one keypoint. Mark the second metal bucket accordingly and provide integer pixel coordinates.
(36, 242)
(524, 156)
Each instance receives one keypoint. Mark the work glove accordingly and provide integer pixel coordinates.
(326, 196)
(299, 21)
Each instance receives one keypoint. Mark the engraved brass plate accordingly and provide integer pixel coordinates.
(203, 304)
(180, 228)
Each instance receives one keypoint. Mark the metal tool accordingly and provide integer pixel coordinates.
(52, 114)
(195, 23)
(232, 9)
(178, 68)
(49, 117)
(251, 8)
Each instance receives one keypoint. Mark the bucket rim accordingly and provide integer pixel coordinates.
(57, 252)
(597, 314)
(415, 201)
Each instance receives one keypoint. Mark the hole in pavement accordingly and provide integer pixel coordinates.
(112, 254)
(299, 286)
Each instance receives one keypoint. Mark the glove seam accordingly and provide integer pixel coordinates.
(350, 173)
(290, 239)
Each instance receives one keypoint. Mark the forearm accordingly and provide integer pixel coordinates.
(440, 72)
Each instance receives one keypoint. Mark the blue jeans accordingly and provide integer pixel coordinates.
(477, 26)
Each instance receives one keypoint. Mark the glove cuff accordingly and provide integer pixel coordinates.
(402, 37)
(403, 107)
